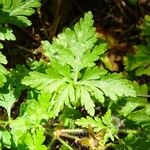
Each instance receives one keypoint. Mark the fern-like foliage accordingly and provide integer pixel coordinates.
(140, 61)
(135, 120)
(26, 130)
(98, 124)
(72, 77)
(137, 109)
(15, 12)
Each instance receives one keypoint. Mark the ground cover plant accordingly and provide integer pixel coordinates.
(70, 98)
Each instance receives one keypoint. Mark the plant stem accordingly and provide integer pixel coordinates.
(130, 131)
(76, 77)
(3, 123)
(51, 143)
(65, 144)
(73, 131)
(146, 96)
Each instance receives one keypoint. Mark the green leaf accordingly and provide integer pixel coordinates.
(98, 124)
(3, 71)
(35, 111)
(2, 75)
(61, 99)
(71, 45)
(44, 100)
(31, 137)
(143, 70)
(93, 73)
(72, 76)
(77, 93)
(34, 140)
(99, 95)
(39, 138)
(59, 70)
(87, 101)
(39, 66)
(2, 59)
(136, 141)
(68, 117)
(90, 57)
(36, 79)
(113, 86)
(7, 99)
(6, 34)
(27, 129)
(14, 78)
(1, 46)
(133, 103)
(139, 62)
(6, 138)
(71, 94)
(15, 11)
(111, 129)
(95, 123)
(107, 118)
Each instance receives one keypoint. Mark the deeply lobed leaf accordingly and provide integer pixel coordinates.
(72, 77)
(15, 11)
(99, 124)
(139, 62)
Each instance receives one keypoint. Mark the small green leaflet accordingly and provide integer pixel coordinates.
(89, 58)
(2, 59)
(6, 139)
(87, 102)
(7, 99)
(6, 34)
(93, 73)
(60, 100)
(114, 88)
